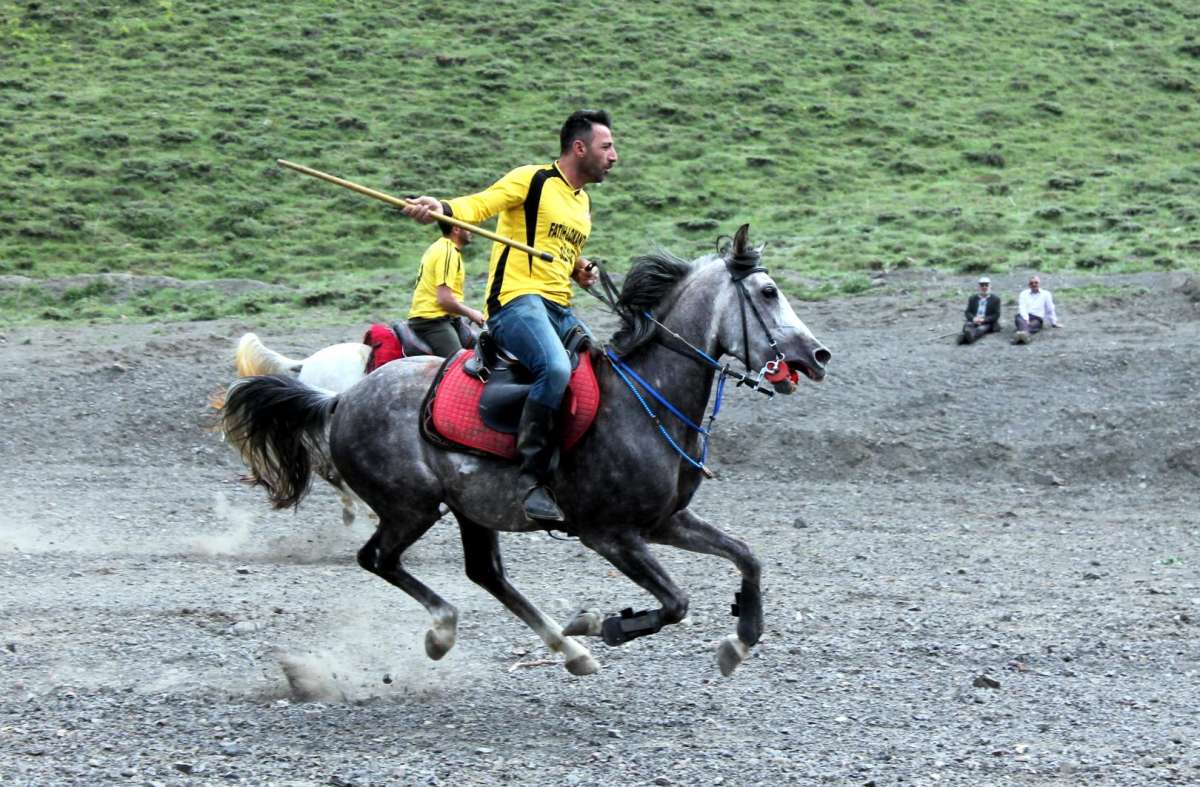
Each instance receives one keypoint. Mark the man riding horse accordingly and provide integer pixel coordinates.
(528, 300)
(679, 319)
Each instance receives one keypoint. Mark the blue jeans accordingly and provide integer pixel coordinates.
(532, 329)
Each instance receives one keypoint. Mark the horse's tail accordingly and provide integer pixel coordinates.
(253, 357)
(279, 426)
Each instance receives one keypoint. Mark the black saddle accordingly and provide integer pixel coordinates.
(506, 381)
(415, 345)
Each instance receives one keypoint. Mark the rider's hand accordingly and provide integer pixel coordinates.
(476, 316)
(585, 273)
(422, 209)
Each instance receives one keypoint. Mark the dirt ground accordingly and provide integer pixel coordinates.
(980, 568)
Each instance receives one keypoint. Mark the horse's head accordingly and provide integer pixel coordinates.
(725, 303)
(754, 321)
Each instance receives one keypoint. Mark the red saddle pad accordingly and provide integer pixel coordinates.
(453, 412)
(385, 347)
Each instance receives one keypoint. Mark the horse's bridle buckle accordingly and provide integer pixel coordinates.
(772, 367)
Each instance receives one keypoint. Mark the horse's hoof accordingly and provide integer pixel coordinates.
(583, 665)
(586, 623)
(731, 653)
(438, 643)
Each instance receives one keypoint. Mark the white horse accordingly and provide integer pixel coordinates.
(332, 369)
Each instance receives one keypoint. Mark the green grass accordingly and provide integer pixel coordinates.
(1093, 295)
(140, 137)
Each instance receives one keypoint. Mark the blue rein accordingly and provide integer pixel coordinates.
(629, 377)
(632, 379)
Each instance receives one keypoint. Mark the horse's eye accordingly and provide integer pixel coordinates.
(770, 292)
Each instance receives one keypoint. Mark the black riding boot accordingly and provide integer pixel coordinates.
(537, 446)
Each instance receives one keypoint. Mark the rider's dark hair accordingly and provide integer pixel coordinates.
(445, 227)
(579, 126)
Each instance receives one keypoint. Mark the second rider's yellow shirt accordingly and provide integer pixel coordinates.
(535, 204)
(441, 264)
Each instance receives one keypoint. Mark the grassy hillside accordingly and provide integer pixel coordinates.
(140, 136)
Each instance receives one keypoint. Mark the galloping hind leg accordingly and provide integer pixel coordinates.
(327, 471)
(688, 531)
(381, 555)
(348, 507)
(630, 555)
(481, 551)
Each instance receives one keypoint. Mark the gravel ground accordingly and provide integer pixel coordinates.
(980, 568)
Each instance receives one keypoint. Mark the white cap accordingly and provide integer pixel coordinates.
(984, 280)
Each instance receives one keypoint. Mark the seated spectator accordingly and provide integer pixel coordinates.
(1035, 308)
(982, 314)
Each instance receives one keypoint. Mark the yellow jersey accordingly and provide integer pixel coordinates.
(441, 264)
(536, 204)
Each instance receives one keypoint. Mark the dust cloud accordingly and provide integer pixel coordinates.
(20, 536)
(232, 540)
(354, 661)
(330, 540)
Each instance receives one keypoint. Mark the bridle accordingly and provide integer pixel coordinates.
(775, 370)
(739, 268)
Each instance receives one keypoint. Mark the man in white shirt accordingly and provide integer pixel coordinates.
(1035, 308)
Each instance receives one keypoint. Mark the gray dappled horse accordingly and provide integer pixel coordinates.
(622, 487)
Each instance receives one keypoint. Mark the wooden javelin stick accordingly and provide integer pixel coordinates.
(400, 203)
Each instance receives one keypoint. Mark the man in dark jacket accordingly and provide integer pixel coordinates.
(982, 313)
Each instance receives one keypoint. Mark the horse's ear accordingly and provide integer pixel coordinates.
(740, 239)
(740, 257)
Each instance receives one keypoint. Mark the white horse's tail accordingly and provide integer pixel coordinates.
(254, 358)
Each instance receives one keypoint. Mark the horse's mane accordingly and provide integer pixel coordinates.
(652, 277)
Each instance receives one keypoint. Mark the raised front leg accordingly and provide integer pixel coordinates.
(381, 555)
(688, 531)
(481, 550)
(628, 552)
